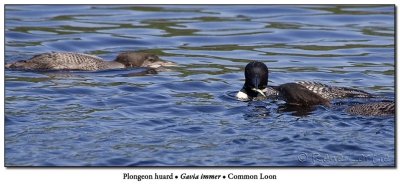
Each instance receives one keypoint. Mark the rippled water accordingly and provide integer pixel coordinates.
(187, 116)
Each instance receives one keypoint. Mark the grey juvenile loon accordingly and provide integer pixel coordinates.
(79, 61)
(305, 93)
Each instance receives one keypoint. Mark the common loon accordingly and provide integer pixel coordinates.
(305, 93)
(80, 61)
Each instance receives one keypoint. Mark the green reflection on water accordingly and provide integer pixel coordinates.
(344, 9)
(170, 27)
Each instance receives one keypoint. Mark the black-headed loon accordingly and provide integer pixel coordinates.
(305, 93)
(79, 61)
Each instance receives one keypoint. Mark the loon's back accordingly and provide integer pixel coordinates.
(373, 109)
(332, 92)
(325, 91)
(63, 61)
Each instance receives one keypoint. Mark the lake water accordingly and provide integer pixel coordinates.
(187, 115)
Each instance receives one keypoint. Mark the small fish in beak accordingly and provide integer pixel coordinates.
(259, 91)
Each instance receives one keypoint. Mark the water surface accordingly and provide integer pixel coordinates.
(188, 116)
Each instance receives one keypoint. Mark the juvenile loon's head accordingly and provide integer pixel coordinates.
(256, 74)
(140, 59)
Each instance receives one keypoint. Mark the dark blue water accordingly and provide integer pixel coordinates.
(187, 116)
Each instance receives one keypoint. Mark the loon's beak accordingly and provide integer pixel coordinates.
(259, 91)
(159, 63)
(256, 83)
(167, 63)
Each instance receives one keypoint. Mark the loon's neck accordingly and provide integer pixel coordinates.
(246, 93)
(271, 91)
(112, 65)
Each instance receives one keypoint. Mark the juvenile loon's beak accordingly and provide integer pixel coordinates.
(167, 63)
(159, 63)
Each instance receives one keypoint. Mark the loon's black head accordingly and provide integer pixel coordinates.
(256, 74)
